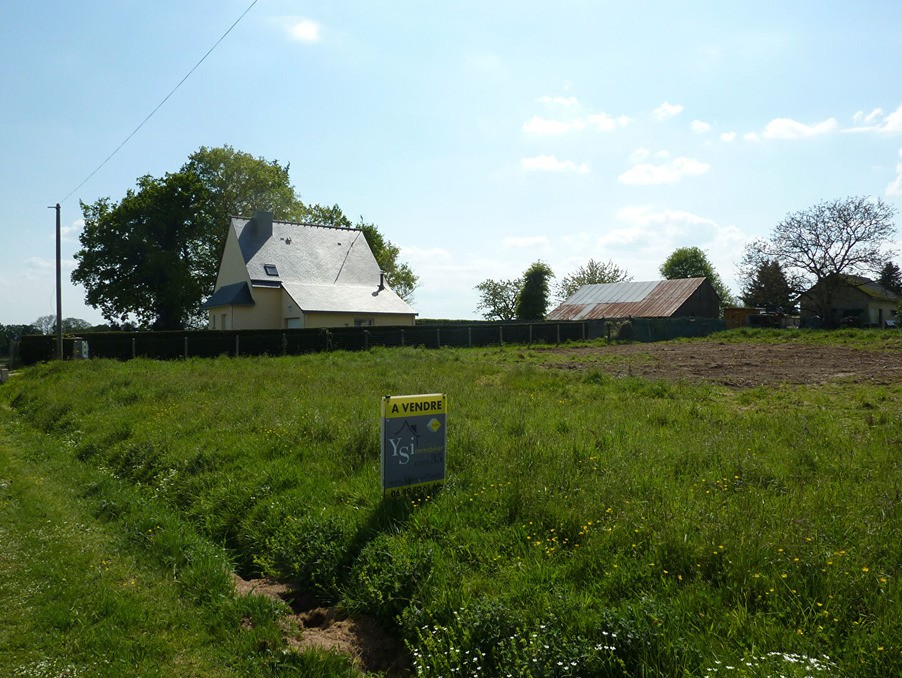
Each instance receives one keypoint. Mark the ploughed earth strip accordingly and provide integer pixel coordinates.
(740, 365)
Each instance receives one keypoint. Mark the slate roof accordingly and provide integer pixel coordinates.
(652, 299)
(237, 294)
(871, 288)
(346, 298)
(323, 268)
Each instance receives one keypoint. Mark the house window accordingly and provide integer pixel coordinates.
(212, 321)
(292, 323)
(363, 322)
(270, 269)
(222, 324)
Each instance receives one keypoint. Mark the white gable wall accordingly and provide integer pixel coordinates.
(232, 268)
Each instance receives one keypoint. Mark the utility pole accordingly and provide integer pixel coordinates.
(59, 287)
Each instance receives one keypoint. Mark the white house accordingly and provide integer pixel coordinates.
(284, 275)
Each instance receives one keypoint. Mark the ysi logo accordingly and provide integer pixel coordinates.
(403, 451)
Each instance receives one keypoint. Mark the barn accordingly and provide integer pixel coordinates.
(685, 297)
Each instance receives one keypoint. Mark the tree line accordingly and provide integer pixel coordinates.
(808, 255)
(46, 324)
(152, 258)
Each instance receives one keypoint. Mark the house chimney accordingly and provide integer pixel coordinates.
(381, 284)
(263, 224)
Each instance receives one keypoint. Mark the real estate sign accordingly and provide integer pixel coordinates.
(413, 442)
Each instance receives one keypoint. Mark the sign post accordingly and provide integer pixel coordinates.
(413, 443)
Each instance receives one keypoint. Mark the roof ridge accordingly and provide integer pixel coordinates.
(300, 223)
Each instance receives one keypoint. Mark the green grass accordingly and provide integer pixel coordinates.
(79, 598)
(589, 526)
(871, 339)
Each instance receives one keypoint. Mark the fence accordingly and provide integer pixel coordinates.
(211, 343)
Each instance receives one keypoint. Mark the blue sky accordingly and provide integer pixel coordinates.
(479, 136)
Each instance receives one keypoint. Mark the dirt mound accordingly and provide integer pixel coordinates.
(740, 365)
(325, 628)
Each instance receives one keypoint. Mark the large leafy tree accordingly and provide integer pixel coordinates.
(532, 302)
(238, 184)
(692, 262)
(593, 273)
(148, 256)
(768, 288)
(818, 246)
(498, 299)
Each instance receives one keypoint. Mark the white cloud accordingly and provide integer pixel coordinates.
(526, 242)
(700, 126)
(861, 117)
(602, 121)
(70, 233)
(728, 137)
(890, 124)
(666, 110)
(548, 163)
(607, 123)
(895, 188)
(667, 172)
(539, 125)
(787, 128)
(639, 155)
(644, 215)
(560, 101)
(646, 236)
(751, 136)
(303, 30)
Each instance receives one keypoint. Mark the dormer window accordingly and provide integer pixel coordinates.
(270, 269)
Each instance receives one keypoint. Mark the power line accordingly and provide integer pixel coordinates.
(159, 105)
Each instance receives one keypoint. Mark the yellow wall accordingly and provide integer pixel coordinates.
(347, 319)
(265, 314)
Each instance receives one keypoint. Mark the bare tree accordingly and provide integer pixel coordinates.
(819, 245)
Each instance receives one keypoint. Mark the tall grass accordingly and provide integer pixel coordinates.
(589, 526)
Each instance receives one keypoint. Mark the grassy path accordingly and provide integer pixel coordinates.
(79, 600)
(74, 603)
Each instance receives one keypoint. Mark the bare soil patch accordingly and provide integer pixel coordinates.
(368, 645)
(741, 365)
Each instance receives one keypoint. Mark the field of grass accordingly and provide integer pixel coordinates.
(590, 525)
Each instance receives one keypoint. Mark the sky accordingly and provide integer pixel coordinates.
(479, 136)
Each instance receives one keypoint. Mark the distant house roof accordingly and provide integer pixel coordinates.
(653, 299)
(871, 288)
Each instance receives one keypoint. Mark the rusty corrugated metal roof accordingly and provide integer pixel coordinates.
(653, 299)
